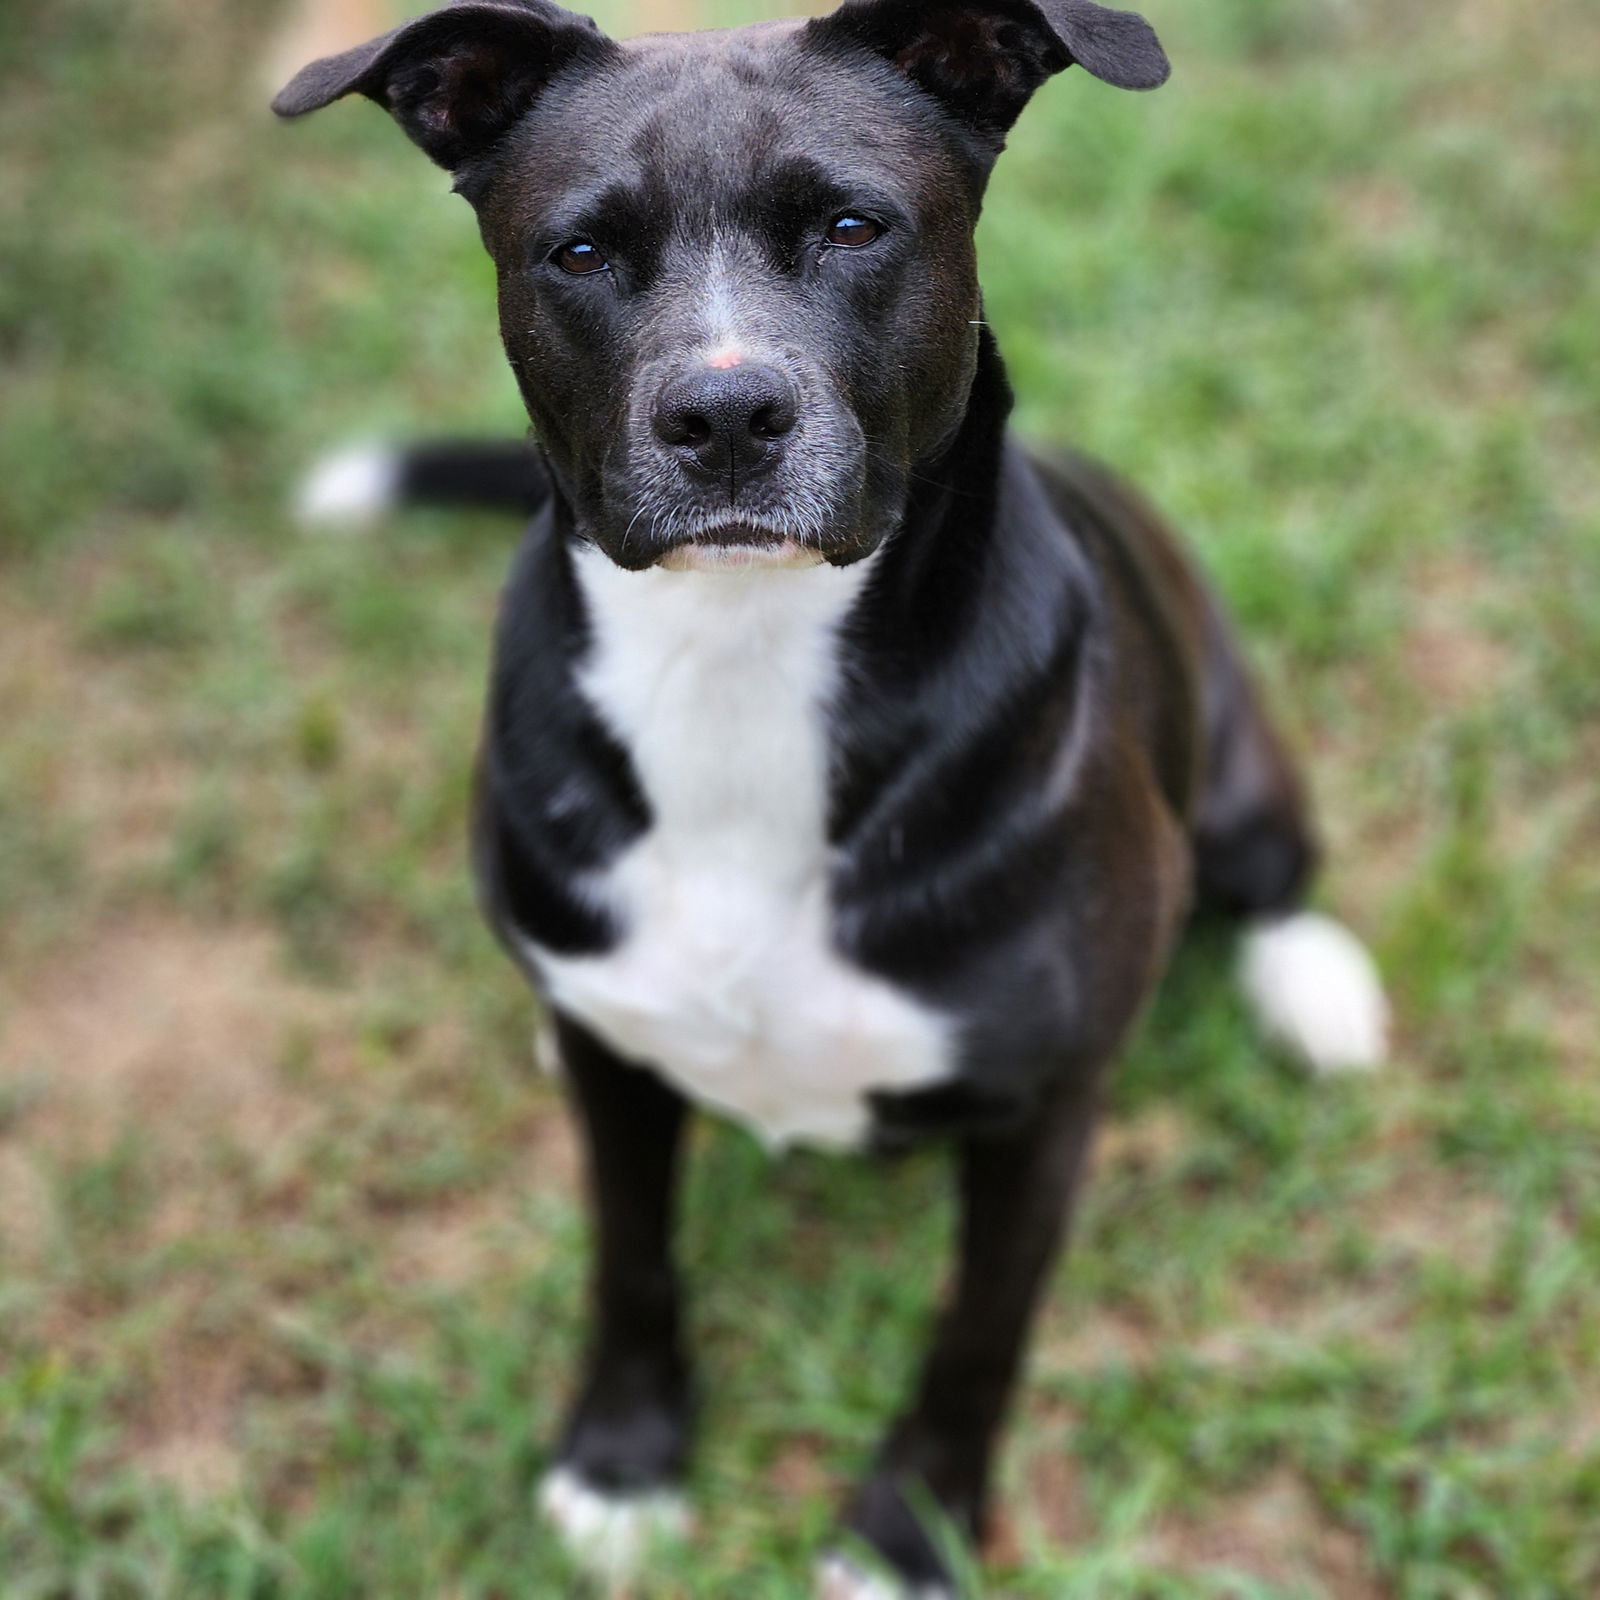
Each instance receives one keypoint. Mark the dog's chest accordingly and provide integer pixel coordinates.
(726, 978)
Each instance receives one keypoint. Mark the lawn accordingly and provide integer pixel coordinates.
(290, 1251)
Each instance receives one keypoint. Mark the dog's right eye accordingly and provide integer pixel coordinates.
(851, 232)
(580, 257)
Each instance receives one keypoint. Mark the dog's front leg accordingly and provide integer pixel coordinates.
(1016, 1191)
(615, 1484)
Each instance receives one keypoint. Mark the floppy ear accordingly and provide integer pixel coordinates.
(455, 80)
(982, 61)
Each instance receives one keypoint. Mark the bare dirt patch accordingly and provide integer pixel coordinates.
(452, 1247)
(1275, 1533)
(165, 1039)
(118, 781)
(1452, 658)
(186, 1432)
(172, 1029)
(1145, 1143)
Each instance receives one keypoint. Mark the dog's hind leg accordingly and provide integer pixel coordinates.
(1309, 981)
(614, 1489)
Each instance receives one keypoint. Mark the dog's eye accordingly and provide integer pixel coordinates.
(850, 233)
(580, 257)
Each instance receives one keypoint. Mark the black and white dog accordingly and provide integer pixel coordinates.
(847, 770)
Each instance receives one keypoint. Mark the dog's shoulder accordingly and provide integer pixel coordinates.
(556, 794)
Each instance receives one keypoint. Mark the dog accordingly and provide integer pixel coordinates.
(847, 770)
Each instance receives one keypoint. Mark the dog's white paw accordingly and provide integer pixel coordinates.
(350, 488)
(839, 1578)
(1314, 989)
(610, 1535)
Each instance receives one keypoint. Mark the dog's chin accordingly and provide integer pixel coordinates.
(778, 555)
(728, 544)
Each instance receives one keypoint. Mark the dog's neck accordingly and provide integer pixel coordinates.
(952, 479)
(950, 507)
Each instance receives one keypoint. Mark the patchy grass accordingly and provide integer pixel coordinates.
(290, 1257)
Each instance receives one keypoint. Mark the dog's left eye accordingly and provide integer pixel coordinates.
(580, 257)
(850, 233)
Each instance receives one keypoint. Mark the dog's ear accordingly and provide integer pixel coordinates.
(455, 80)
(983, 61)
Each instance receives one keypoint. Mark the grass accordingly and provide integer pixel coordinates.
(290, 1259)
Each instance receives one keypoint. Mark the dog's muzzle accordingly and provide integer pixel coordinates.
(731, 459)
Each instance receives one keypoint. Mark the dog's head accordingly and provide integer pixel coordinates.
(737, 274)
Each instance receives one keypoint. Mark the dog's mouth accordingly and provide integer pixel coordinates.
(700, 557)
(738, 545)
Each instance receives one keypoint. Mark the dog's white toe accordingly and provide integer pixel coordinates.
(1314, 989)
(839, 1578)
(609, 1535)
(350, 488)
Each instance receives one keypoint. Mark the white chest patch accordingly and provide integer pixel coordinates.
(726, 979)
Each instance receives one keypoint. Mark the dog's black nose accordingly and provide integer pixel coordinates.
(727, 423)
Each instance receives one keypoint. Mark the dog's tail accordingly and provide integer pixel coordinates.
(1314, 989)
(359, 485)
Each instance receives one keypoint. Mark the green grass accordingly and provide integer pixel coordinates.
(290, 1254)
